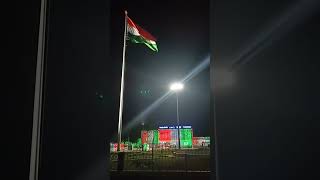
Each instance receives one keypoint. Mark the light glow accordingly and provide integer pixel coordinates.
(176, 86)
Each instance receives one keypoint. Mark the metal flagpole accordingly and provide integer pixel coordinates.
(37, 106)
(122, 81)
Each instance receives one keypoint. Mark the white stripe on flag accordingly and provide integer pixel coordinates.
(133, 30)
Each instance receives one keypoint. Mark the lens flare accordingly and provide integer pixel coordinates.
(294, 15)
(141, 117)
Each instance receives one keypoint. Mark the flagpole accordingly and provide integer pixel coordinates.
(38, 93)
(122, 81)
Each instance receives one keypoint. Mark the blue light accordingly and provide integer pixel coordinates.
(163, 127)
(175, 127)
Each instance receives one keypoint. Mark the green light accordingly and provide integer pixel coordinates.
(145, 147)
(155, 137)
(139, 142)
(186, 138)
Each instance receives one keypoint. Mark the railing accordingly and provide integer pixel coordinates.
(163, 160)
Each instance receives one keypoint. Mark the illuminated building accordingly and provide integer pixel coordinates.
(167, 137)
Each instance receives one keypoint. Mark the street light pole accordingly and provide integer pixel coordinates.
(178, 120)
(176, 87)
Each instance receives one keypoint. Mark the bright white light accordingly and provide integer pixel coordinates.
(176, 86)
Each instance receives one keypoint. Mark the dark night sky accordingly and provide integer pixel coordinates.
(266, 118)
(183, 41)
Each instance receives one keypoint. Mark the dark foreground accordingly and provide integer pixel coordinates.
(160, 175)
(162, 160)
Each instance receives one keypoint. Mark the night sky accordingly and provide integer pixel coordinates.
(183, 42)
(264, 69)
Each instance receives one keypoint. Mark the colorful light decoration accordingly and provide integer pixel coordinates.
(186, 138)
(144, 137)
(155, 137)
(169, 134)
(164, 135)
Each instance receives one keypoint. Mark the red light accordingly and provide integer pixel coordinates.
(164, 135)
(144, 137)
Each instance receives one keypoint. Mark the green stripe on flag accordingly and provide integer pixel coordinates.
(140, 39)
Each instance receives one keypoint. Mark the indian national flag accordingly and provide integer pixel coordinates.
(138, 35)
